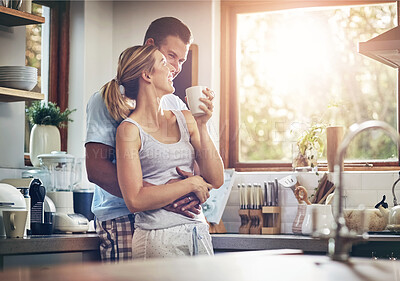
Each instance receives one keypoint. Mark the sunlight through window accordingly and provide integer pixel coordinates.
(300, 67)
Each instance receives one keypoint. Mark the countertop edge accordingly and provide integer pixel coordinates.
(49, 244)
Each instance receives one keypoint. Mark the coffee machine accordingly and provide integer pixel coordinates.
(10, 199)
(62, 179)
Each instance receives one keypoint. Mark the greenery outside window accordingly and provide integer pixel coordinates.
(37, 55)
(54, 55)
(289, 65)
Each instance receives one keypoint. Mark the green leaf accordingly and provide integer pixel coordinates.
(50, 114)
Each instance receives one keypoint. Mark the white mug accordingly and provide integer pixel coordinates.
(193, 95)
(14, 223)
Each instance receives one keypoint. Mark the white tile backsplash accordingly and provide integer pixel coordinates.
(354, 198)
(308, 180)
(6, 173)
(365, 188)
(286, 196)
(378, 180)
(231, 214)
(288, 214)
(352, 180)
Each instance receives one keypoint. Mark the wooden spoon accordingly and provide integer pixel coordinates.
(301, 194)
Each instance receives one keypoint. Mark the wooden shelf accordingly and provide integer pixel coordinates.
(13, 95)
(12, 17)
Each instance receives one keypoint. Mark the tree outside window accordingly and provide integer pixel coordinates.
(300, 67)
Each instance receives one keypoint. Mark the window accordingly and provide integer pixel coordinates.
(287, 66)
(54, 56)
(37, 55)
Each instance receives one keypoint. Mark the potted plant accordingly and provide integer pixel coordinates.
(308, 147)
(45, 135)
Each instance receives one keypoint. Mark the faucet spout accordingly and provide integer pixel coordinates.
(340, 245)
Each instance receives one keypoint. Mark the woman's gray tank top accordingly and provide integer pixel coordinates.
(159, 161)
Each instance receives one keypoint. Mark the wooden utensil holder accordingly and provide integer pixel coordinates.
(272, 220)
(245, 221)
(256, 221)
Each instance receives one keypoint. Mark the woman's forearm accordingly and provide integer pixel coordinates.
(209, 160)
(157, 196)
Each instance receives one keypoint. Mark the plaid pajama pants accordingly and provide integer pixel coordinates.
(116, 238)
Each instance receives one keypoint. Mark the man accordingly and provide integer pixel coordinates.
(114, 222)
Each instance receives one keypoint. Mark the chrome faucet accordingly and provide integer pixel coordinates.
(340, 244)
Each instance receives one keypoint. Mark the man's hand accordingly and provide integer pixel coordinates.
(186, 205)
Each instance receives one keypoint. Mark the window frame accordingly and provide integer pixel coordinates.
(229, 109)
(58, 60)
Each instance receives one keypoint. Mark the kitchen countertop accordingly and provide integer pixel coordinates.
(383, 245)
(243, 242)
(254, 265)
(49, 243)
(221, 243)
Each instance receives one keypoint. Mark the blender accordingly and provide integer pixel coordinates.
(60, 190)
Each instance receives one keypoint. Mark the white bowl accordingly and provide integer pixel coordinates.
(23, 68)
(18, 79)
(21, 85)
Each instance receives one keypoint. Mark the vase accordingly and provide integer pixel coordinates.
(304, 162)
(44, 139)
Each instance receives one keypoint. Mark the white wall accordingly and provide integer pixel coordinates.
(12, 121)
(90, 65)
(90, 62)
(131, 20)
(101, 30)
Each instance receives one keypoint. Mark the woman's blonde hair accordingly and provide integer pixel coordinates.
(131, 64)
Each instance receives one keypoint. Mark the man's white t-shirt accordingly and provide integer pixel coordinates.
(102, 128)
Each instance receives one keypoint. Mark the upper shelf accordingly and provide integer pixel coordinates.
(12, 17)
(13, 95)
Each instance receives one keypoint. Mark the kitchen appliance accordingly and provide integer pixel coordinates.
(83, 194)
(390, 216)
(83, 202)
(33, 192)
(384, 47)
(49, 215)
(40, 173)
(60, 190)
(10, 199)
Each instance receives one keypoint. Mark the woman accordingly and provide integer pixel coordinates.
(150, 144)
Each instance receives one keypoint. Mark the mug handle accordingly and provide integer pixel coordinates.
(12, 221)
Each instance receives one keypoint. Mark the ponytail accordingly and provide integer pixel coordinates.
(116, 102)
(120, 93)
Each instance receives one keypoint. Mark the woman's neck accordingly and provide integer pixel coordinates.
(148, 111)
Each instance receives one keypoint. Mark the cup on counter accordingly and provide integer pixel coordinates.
(14, 223)
(193, 95)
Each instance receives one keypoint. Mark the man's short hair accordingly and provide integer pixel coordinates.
(161, 28)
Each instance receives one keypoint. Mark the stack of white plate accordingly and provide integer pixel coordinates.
(18, 77)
